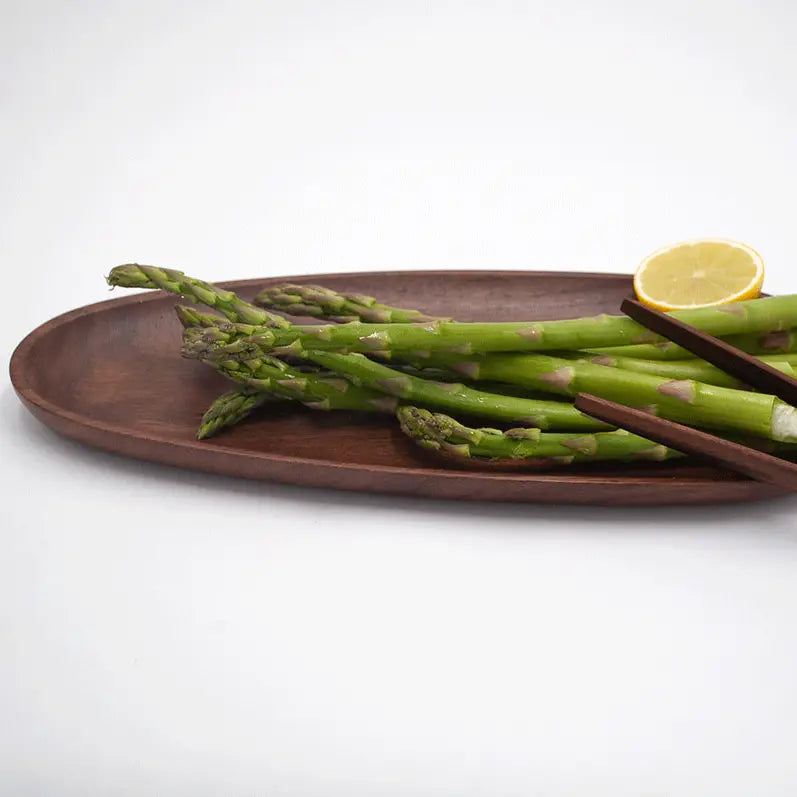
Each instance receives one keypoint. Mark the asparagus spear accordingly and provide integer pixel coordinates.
(695, 369)
(190, 316)
(755, 315)
(270, 375)
(684, 400)
(231, 408)
(320, 302)
(474, 366)
(759, 314)
(782, 341)
(687, 401)
(765, 315)
(767, 321)
(440, 432)
(698, 370)
(205, 330)
(693, 400)
(217, 328)
(133, 275)
(545, 414)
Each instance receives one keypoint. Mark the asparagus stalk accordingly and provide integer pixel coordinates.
(259, 388)
(320, 302)
(231, 408)
(544, 414)
(756, 315)
(455, 396)
(671, 389)
(234, 330)
(476, 365)
(133, 275)
(695, 369)
(782, 341)
(191, 316)
(443, 433)
(684, 400)
(698, 370)
(770, 315)
(439, 432)
(767, 324)
(270, 375)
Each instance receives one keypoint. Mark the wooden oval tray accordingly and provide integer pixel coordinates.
(110, 375)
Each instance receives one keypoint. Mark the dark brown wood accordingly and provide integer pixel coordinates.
(110, 376)
(736, 457)
(749, 369)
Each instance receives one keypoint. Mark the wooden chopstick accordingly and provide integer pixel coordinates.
(749, 369)
(755, 464)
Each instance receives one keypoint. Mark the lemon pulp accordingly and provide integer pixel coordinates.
(699, 274)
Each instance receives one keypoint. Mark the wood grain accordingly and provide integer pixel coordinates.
(109, 375)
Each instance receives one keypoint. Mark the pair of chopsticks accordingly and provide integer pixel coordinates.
(752, 371)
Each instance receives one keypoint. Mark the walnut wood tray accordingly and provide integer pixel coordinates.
(110, 375)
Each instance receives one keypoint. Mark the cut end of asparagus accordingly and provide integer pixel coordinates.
(784, 422)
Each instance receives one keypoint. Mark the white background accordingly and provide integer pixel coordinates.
(170, 633)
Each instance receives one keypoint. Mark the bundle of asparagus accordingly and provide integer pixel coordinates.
(378, 358)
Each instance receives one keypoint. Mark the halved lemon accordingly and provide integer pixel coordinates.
(699, 274)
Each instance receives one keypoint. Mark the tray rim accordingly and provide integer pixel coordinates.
(20, 365)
